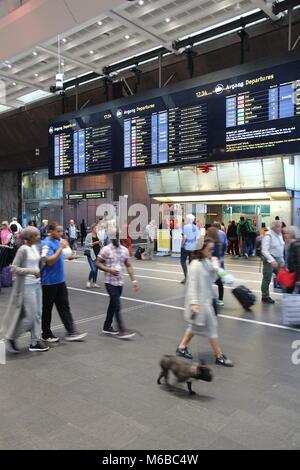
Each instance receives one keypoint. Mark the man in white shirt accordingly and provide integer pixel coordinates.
(72, 234)
(273, 258)
(151, 236)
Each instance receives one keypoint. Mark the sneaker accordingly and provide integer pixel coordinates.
(96, 286)
(224, 361)
(38, 348)
(125, 335)
(267, 300)
(220, 303)
(11, 347)
(183, 352)
(75, 336)
(51, 339)
(183, 281)
(110, 331)
(88, 285)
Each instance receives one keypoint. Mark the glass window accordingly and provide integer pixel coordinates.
(37, 187)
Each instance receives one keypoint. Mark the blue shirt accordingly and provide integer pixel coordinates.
(54, 274)
(190, 233)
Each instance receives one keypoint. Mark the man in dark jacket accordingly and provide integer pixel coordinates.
(245, 233)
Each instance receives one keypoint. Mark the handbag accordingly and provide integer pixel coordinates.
(286, 279)
(87, 252)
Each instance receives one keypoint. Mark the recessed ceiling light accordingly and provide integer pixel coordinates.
(91, 52)
(14, 83)
(9, 66)
(62, 63)
(168, 20)
(34, 53)
(64, 40)
(127, 36)
(36, 74)
(99, 23)
(141, 2)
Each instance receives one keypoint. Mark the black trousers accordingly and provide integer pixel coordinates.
(220, 285)
(233, 247)
(114, 308)
(185, 254)
(57, 295)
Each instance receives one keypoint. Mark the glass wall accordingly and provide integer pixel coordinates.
(41, 198)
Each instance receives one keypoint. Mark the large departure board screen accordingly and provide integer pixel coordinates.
(254, 114)
(82, 145)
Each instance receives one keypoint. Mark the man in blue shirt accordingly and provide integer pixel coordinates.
(54, 287)
(189, 238)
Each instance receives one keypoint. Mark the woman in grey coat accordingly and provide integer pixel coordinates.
(199, 311)
(93, 244)
(24, 311)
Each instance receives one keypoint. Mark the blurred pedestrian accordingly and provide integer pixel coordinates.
(93, 246)
(199, 311)
(273, 258)
(24, 310)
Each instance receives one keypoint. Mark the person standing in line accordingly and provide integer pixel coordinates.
(44, 229)
(233, 243)
(199, 311)
(189, 238)
(72, 234)
(244, 231)
(273, 258)
(93, 244)
(151, 231)
(83, 231)
(24, 310)
(113, 259)
(54, 287)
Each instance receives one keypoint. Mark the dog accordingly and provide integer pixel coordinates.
(183, 371)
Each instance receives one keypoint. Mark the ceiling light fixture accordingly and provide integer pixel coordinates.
(14, 84)
(141, 2)
(34, 53)
(36, 74)
(91, 52)
(64, 39)
(168, 20)
(99, 23)
(127, 36)
(9, 66)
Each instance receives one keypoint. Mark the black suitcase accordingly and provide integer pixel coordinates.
(245, 297)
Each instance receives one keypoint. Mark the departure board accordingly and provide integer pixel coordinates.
(82, 146)
(250, 114)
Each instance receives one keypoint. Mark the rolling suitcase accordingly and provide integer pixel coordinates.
(244, 296)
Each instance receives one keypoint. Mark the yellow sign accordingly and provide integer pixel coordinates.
(163, 240)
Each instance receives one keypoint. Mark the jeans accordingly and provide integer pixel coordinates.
(247, 246)
(32, 308)
(185, 254)
(268, 271)
(57, 295)
(94, 270)
(114, 308)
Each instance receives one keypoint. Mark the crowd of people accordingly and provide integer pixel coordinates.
(37, 256)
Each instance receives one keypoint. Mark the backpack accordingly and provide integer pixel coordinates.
(139, 252)
(244, 229)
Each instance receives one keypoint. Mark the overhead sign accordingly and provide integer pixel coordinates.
(78, 196)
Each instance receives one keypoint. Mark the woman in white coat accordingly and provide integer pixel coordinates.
(199, 311)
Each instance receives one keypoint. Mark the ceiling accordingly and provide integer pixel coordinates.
(94, 35)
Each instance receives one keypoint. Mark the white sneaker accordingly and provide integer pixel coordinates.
(88, 285)
(96, 286)
(76, 336)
